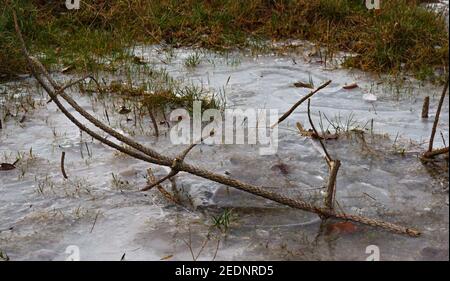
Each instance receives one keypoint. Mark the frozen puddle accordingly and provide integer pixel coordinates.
(100, 211)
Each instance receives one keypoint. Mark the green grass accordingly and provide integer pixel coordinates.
(223, 221)
(401, 37)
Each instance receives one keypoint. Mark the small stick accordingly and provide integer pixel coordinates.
(63, 170)
(161, 189)
(425, 107)
(297, 104)
(107, 116)
(327, 156)
(333, 166)
(442, 136)
(436, 119)
(155, 125)
(331, 189)
(95, 221)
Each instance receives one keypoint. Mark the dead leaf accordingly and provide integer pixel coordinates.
(345, 227)
(138, 60)
(7, 167)
(166, 257)
(124, 110)
(350, 86)
(300, 84)
(67, 69)
(312, 134)
(283, 168)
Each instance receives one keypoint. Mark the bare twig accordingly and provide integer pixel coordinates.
(152, 117)
(438, 113)
(95, 221)
(297, 104)
(425, 107)
(327, 156)
(333, 166)
(162, 190)
(63, 170)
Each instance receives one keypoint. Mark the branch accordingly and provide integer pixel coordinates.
(436, 152)
(297, 104)
(438, 113)
(333, 166)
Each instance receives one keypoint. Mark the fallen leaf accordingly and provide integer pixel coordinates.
(124, 110)
(7, 167)
(350, 86)
(312, 134)
(67, 69)
(345, 227)
(166, 257)
(283, 168)
(138, 60)
(303, 85)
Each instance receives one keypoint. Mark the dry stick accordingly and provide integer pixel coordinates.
(152, 116)
(161, 189)
(327, 155)
(95, 221)
(72, 84)
(333, 166)
(436, 119)
(63, 170)
(297, 104)
(174, 168)
(150, 156)
(425, 107)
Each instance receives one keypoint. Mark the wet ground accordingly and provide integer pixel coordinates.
(100, 210)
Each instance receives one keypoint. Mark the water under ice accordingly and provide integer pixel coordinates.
(99, 209)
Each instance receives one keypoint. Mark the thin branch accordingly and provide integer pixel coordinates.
(152, 117)
(333, 166)
(438, 113)
(297, 104)
(327, 156)
(63, 170)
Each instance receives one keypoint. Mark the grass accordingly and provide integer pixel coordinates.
(193, 60)
(3, 256)
(155, 89)
(401, 37)
(223, 221)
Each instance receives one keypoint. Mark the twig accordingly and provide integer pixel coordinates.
(161, 189)
(333, 166)
(327, 156)
(95, 221)
(297, 104)
(63, 170)
(438, 112)
(152, 117)
(425, 107)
